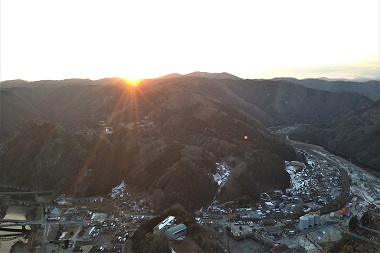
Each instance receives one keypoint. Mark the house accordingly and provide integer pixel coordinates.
(344, 212)
(100, 217)
(275, 231)
(176, 231)
(269, 205)
(297, 164)
(55, 211)
(108, 130)
(164, 225)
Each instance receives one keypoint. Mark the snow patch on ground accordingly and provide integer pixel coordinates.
(297, 182)
(221, 175)
(118, 191)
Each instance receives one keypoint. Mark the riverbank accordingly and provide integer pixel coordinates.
(17, 213)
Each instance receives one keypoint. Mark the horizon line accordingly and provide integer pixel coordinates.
(377, 78)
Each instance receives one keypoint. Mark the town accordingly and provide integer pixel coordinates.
(326, 193)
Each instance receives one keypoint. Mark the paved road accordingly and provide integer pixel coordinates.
(330, 157)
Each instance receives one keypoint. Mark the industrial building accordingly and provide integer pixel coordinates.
(164, 225)
(309, 221)
(176, 231)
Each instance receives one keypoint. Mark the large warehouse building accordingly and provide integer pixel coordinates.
(176, 231)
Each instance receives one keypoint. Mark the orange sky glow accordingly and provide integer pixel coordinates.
(147, 39)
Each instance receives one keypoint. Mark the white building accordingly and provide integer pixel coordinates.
(164, 225)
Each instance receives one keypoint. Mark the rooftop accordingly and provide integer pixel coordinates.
(165, 222)
(179, 227)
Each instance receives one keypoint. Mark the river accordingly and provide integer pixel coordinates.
(16, 213)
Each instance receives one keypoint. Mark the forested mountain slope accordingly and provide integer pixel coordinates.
(167, 134)
(355, 134)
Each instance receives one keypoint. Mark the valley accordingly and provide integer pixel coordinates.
(70, 224)
(100, 164)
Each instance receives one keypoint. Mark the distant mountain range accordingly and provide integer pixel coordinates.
(362, 85)
(75, 102)
(168, 133)
(368, 88)
(356, 79)
(222, 75)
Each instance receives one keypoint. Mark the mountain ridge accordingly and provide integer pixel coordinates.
(90, 102)
(221, 75)
(369, 88)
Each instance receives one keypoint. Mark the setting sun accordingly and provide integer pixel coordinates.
(132, 82)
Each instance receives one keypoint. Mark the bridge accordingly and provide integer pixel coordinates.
(6, 225)
(23, 229)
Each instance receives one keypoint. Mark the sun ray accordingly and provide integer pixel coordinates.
(90, 159)
(132, 95)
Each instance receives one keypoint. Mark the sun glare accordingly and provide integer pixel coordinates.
(132, 82)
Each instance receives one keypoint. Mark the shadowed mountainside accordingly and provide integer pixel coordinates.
(173, 162)
(288, 103)
(14, 111)
(168, 133)
(74, 103)
(355, 134)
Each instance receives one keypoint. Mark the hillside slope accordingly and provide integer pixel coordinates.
(370, 88)
(355, 134)
(268, 102)
(14, 111)
(168, 133)
(288, 103)
(167, 138)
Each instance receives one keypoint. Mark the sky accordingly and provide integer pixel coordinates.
(93, 39)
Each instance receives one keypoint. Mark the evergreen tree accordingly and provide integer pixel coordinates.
(354, 223)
